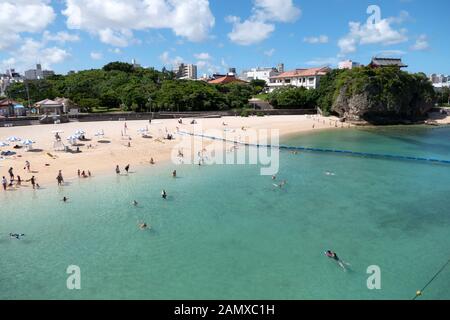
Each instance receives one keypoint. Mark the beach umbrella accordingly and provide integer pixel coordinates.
(73, 137)
(27, 142)
(3, 144)
(13, 139)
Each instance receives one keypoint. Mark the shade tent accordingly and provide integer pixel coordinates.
(13, 139)
(28, 143)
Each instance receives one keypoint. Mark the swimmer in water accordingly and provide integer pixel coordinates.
(329, 173)
(16, 235)
(65, 199)
(332, 255)
(164, 194)
(274, 177)
(134, 203)
(143, 225)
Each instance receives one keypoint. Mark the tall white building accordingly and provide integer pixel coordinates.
(185, 71)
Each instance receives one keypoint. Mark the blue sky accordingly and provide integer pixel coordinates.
(216, 34)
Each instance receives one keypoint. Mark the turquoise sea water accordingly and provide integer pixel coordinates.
(226, 233)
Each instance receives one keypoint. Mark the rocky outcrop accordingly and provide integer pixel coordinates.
(367, 106)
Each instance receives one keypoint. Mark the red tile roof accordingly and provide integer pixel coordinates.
(303, 73)
(225, 79)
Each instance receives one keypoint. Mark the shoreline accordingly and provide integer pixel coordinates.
(102, 158)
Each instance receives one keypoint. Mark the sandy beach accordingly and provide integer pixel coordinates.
(100, 155)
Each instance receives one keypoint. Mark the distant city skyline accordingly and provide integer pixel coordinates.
(216, 35)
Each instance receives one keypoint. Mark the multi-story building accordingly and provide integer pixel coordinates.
(348, 64)
(6, 79)
(440, 80)
(259, 73)
(38, 73)
(185, 71)
(307, 78)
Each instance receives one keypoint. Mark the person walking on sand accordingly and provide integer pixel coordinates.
(152, 161)
(117, 169)
(27, 165)
(4, 183)
(60, 178)
(19, 181)
(79, 173)
(127, 167)
(89, 174)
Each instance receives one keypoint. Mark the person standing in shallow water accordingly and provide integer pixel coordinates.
(4, 183)
(33, 182)
(60, 178)
(11, 173)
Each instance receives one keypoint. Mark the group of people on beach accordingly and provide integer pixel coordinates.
(82, 174)
(16, 180)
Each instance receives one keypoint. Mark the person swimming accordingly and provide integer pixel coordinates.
(65, 199)
(143, 225)
(134, 203)
(16, 235)
(329, 173)
(164, 194)
(332, 255)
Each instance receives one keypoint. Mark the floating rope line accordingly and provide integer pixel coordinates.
(419, 292)
(346, 152)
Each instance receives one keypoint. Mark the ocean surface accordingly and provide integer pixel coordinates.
(225, 232)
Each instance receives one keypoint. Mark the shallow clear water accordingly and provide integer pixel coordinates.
(226, 233)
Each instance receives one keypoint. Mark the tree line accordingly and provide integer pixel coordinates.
(121, 86)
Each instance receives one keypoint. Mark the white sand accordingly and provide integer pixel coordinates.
(103, 157)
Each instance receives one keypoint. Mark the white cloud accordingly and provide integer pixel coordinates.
(373, 32)
(61, 37)
(96, 55)
(18, 16)
(115, 20)
(32, 51)
(166, 59)
(276, 10)
(250, 31)
(269, 52)
(421, 43)
(260, 24)
(316, 40)
(202, 56)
